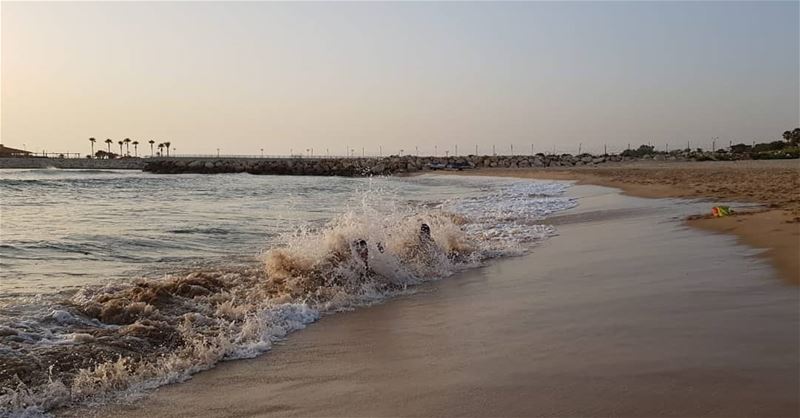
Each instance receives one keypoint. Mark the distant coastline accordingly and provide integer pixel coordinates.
(353, 166)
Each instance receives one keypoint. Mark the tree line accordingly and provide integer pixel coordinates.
(789, 147)
(127, 142)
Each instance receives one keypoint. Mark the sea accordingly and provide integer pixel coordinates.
(116, 282)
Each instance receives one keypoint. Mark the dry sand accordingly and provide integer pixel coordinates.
(774, 184)
(626, 313)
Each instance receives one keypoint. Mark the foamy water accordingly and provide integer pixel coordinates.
(117, 282)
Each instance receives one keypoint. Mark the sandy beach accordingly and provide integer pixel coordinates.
(774, 184)
(626, 313)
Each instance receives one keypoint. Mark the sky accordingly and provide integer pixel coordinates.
(420, 77)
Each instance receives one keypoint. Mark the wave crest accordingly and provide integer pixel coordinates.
(119, 339)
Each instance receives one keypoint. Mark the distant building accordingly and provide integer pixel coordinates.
(13, 152)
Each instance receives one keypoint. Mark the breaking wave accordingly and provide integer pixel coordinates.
(109, 341)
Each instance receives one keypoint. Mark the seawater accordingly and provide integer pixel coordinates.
(114, 282)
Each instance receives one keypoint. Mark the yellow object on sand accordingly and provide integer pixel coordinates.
(720, 211)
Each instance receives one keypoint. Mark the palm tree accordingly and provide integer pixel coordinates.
(127, 142)
(120, 147)
(161, 149)
(92, 140)
(108, 142)
(135, 148)
(167, 144)
(151, 142)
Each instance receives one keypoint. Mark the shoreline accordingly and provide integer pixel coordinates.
(775, 229)
(596, 321)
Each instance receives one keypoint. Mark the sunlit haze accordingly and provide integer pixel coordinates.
(243, 77)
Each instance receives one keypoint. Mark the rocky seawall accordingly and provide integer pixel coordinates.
(73, 163)
(366, 166)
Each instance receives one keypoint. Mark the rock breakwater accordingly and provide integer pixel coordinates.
(353, 167)
(365, 166)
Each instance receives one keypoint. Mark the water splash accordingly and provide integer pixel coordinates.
(122, 338)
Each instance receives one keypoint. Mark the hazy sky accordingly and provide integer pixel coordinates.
(246, 76)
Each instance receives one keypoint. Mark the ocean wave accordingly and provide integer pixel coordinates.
(121, 338)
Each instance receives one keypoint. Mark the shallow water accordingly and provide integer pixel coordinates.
(115, 280)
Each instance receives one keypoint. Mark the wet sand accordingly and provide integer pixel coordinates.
(626, 313)
(774, 184)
